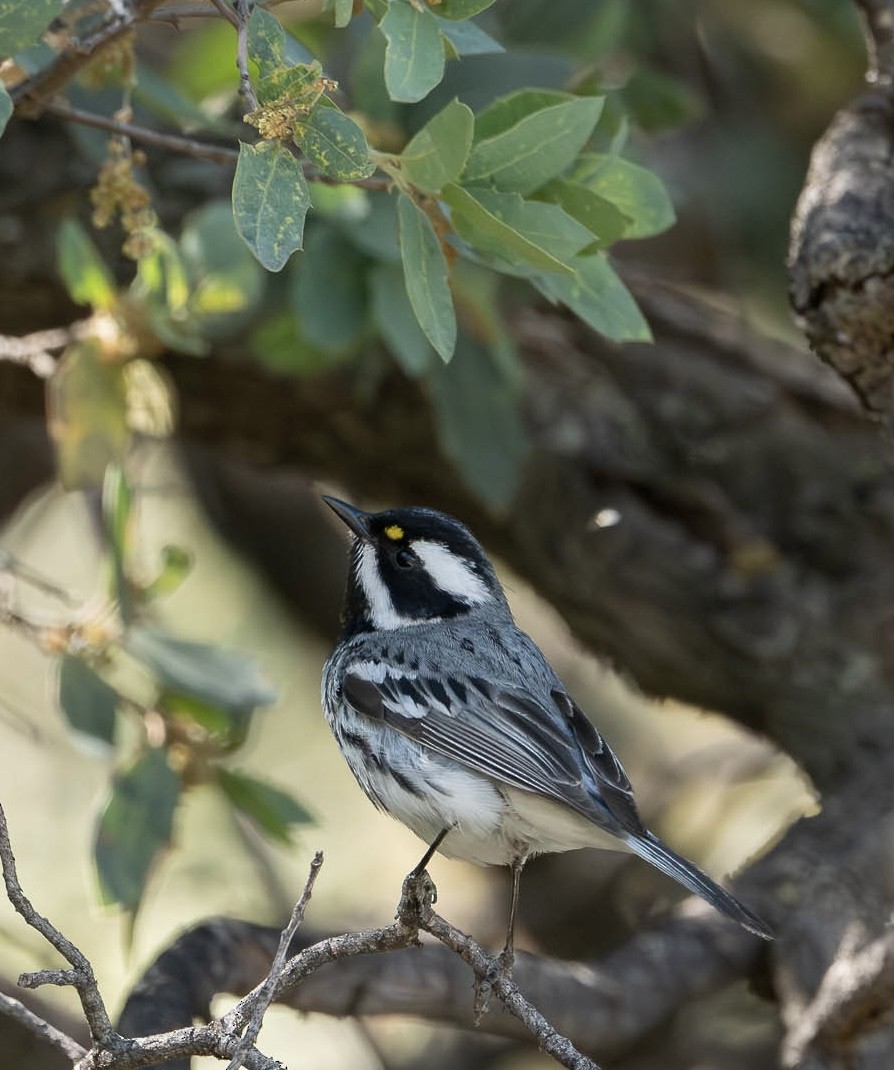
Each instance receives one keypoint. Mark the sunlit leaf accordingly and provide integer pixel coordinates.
(176, 564)
(273, 810)
(414, 58)
(83, 270)
(87, 700)
(437, 154)
(225, 678)
(134, 827)
(426, 276)
(87, 402)
(270, 202)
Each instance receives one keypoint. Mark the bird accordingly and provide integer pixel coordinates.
(453, 721)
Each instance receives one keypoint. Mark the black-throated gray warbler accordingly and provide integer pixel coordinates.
(453, 721)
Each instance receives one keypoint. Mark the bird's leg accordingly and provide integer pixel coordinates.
(507, 955)
(419, 890)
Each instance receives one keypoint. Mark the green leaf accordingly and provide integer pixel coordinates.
(274, 811)
(279, 344)
(160, 96)
(225, 678)
(87, 700)
(229, 728)
(300, 84)
(504, 112)
(23, 21)
(270, 202)
(117, 511)
(598, 296)
(485, 218)
(176, 565)
(437, 154)
(414, 58)
(6, 107)
(344, 9)
(467, 39)
(396, 322)
(633, 190)
(426, 276)
(604, 221)
(479, 426)
(462, 9)
(270, 46)
(336, 144)
(87, 400)
(330, 291)
(536, 148)
(83, 270)
(134, 827)
(225, 281)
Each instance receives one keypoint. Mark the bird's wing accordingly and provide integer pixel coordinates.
(505, 733)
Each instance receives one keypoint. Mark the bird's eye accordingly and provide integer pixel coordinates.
(405, 558)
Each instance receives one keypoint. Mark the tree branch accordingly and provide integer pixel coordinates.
(41, 1028)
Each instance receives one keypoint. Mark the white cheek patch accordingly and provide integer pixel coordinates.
(382, 613)
(450, 573)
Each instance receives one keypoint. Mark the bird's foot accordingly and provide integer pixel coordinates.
(501, 970)
(417, 897)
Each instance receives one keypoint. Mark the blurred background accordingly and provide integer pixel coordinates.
(723, 101)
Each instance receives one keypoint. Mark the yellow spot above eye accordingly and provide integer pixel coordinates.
(394, 532)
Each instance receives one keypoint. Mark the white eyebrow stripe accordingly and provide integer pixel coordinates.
(451, 573)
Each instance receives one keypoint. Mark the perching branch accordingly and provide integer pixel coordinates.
(232, 1037)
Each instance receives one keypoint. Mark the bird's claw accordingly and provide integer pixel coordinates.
(418, 895)
(501, 970)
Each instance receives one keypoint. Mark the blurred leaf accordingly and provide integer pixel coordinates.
(468, 39)
(658, 103)
(83, 270)
(270, 46)
(638, 193)
(414, 58)
(176, 564)
(377, 233)
(150, 400)
(426, 276)
(5, 107)
(478, 218)
(23, 21)
(274, 811)
(598, 296)
(162, 274)
(162, 97)
(117, 512)
(135, 825)
(228, 726)
(396, 322)
(87, 700)
(462, 9)
(87, 404)
(201, 62)
(536, 148)
(336, 144)
(479, 426)
(270, 201)
(279, 344)
(604, 221)
(339, 202)
(225, 678)
(343, 9)
(437, 154)
(226, 280)
(330, 291)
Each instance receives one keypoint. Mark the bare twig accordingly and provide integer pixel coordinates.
(263, 995)
(31, 96)
(242, 10)
(14, 1009)
(201, 150)
(228, 13)
(878, 25)
(81, 977)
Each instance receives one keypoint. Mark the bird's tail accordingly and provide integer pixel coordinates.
(653, 850)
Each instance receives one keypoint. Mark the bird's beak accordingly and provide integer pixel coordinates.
(356, 519)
